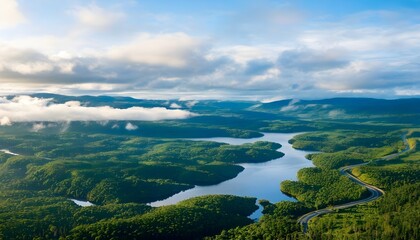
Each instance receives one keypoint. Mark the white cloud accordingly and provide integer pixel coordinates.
(5, 121)
(95, 86)
(32, 109)
(407, 92)
(336, 113)
(272, 99)
(93, 16)
(31, 68)
(27, 62)
(175, 105)
(270, 74)
(191, 104)
(245, 53)
(10, 14)
(291, 106)
(263, 20)
(131, 127)
(171, 49)
(368, 75)
(320, 59)
(36, 127)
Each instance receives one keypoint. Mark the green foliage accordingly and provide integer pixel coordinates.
(26, 215)
(350, 156)
(341, 140)
(30, 215)
(223, 203)
(121, 170)
(268, 227)
(336, 160)
(392, 173)
(320, 188)
(117, 169)
(385, 177)
(394, 216)
(93, 214)
(278, 222)
(190, 219)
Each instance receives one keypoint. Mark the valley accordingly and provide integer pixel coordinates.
(209, 120)
(170, 165)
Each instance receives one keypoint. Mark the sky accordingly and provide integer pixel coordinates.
(211, 49)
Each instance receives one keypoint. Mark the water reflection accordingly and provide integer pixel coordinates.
(82, 203)
(260, 180)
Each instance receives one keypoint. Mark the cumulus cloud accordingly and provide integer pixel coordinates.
(10, 14)
(291, 106)
(131, 127)
(5, 121)
(95, 17)
(307, 60)
(36, 127)
(407, 92)
(191, 104)
(244, 54)
(175, 105)
(263, 20)
(368, 75)
(32, 109)
(170, 49)
(321, 59)
(17, 62)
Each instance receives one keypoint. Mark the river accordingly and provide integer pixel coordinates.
(260, 180)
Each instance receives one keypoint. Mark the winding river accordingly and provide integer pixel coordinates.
(260, 180)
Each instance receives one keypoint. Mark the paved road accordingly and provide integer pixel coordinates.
(375, 192)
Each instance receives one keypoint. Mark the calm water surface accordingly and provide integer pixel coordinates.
(9, 152)
(82, 203)
(260, 180)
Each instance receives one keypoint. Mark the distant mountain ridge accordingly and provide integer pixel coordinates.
(350, 105)
(232, 118)
(288, 106)
(126, 102)
(114, 101)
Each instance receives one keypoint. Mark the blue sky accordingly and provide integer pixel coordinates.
(232, 49)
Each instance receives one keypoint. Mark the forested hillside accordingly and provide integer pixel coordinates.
(394, 216)
(120, 169)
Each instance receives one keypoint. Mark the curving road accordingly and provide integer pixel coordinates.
(375, 192)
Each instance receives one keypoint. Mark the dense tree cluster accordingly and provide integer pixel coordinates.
(321, 188)
(40, 216)
(120, 171)
(278, 222)
(394, 216)
(334, 141)
(190, 219)
(117, 169)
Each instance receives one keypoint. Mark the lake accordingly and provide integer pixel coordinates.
(82, 203)
(9, 152)
(260, 180)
